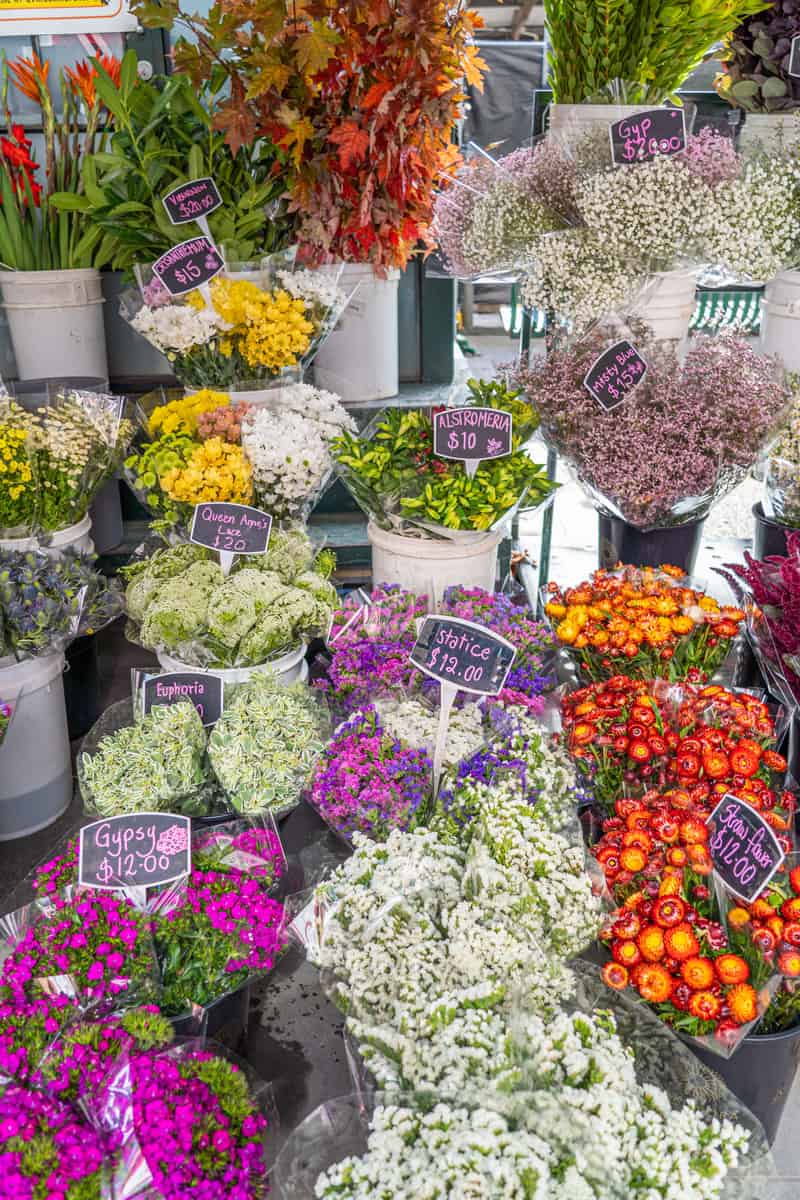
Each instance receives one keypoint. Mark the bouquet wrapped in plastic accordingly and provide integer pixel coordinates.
(643, 622)
(771, 592)
(7, 710)
(663, 449)
(57, 457)
(397, 479)
(181, 605)
(241, 330)
(46, 602)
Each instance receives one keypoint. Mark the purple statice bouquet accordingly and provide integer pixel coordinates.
(685, 435)
(370, 782)
(370, 647)
(47, 1152)
(184, 1122)
(773, 615)
(93, 945)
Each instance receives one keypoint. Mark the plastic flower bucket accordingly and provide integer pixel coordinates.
(288, 668)
(56, 322)
(232, 1009)
(617, 541)
(760, 1073)
(769, 536)
(571, 122)
(73, 537)
(35, 764)
(360, 359)
(772, 131)
(668, 305)
(428, 566)
(780, 318)
(82, 690)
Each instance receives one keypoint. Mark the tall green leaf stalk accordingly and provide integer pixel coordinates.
(633, 51)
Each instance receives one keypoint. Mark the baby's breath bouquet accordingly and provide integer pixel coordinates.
(247, 327)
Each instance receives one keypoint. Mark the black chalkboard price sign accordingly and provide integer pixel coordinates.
(472, 434)
(614, 375)
(657, 133)
(190, 201)
(745, 852)
(205, 691)
(231, 528)
(189, 265)
(464, 655)
(794, 57)
(141, 850)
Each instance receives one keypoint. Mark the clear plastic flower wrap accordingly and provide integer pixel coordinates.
(46, 601)
(266, 743)
(181, 605)
(249, 325)
(395, 477)
(183, 1119)
(654, 439)
(218, 929)
(7, 710)
(85, 944)
(156, 763)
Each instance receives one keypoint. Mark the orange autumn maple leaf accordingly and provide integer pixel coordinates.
(353, 143)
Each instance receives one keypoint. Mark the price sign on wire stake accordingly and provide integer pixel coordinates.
(193, 201)
(463, 657)
(472, 435)
(192, 264)
(230, 529)
(205, 691)
(640, 138)
(137, 851)
(744, 849)
(612, 377)
(794, 58)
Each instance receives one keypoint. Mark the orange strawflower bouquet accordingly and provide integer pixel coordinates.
(643, 622)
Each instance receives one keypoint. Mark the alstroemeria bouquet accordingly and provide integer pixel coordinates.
(628, 735)
(181, 603)
(642, 622)
(671, 938)
(241, 332)
(685, 435)
(400, 484)
(47, 602)
(183, 1121)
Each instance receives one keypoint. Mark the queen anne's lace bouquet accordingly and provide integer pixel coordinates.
(287, 440)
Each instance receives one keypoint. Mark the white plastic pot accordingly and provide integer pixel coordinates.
(360, 359)
(668, 305)
(288, 668)
(56, 322)
(780, 319)
(571, 122)
(428, 566)
(772, 132)
(74, 537)
(35, 764)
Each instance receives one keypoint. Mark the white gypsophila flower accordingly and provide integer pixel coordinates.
(503, 227)
(751, 225)
(576, 276)
(317, 288)
(447, 1152)
(418, 726)
(177, 327)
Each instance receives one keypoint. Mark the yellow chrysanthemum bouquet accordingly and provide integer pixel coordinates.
(240, 330)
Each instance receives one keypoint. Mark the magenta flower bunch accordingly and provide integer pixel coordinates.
(46, 1151)
(6, 710)
(78, 1062)
(370, 782)
(774, 618)
(189, 1117)
(97, 940)
(223, 930)
(57, 873)
(679, 441)
(256, 850)
(27, 1030)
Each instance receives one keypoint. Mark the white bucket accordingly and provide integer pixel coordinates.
(780, 319)
(430, 567)
(360, 359)
(56, 322)
(571, 122)
(74, 537)
(35, 764)
(668, 304)
(772, 132)
(288, 668)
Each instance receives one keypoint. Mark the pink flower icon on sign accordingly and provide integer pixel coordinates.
(173, 840)
(211, 262)
(493, 445)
